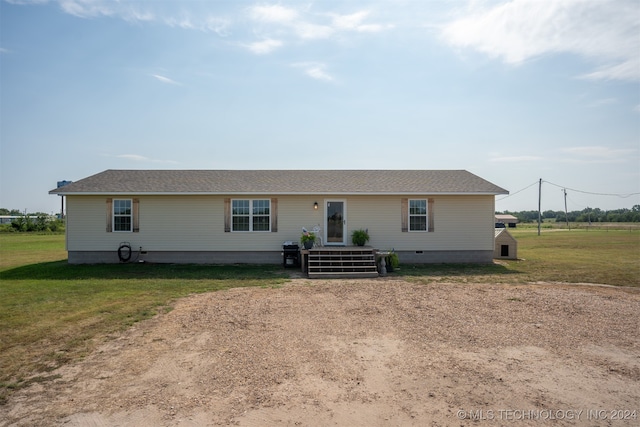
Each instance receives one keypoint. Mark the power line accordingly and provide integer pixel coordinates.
(513, 194)
(623, 196)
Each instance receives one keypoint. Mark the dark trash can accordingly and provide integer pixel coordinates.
(290, 255)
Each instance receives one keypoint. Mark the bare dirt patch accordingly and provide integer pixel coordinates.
(363, 352)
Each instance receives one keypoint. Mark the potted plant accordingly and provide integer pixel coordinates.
(392, 261)
(359, 237)
(307, 239)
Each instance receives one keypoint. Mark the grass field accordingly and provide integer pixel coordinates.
(52, 313)
(602, 256)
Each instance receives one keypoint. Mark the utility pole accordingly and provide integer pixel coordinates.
(566, 216)
(539, 204)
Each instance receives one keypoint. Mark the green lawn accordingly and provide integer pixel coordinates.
(52, 312)
(17, 249)
(610, 257)
(591, 256)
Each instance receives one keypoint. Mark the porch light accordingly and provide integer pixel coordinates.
(315, 206)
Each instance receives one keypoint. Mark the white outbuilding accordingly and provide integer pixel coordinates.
(506, 246)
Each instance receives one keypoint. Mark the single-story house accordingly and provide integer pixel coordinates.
(245, 216)
(506, 245)
(508, 220)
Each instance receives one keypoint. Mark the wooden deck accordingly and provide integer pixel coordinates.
(339, 262)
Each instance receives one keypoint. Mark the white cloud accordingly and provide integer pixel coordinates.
(134, 15)
(373, 28)
(354, 22)
(515, 159)
(19, 2)
(279, 19)
(628, 70)
(349, 22)
(136, 157)
(273, 24)
(273, 13)
(309, 31)
(86, 8)
(573, 155)
(637, 108)
(3, 50)
(139, 158)
(263, 47)
(183, 22)
(166, 80)
(315, 70)
(220, 26)
(598, 152)
(166, 13)
(604, 32)
(301, 24)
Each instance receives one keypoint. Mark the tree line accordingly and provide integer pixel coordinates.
(36, 221)
(589, 215)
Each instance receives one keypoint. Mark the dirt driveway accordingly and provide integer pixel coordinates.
(360, 353)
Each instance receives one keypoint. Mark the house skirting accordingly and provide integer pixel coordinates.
(439, 257)
(178, 257)
(263, 257)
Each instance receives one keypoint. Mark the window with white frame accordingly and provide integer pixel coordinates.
(251, 215)
(122, 215)
(418, 218)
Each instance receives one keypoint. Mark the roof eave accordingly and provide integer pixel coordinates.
(271, 193)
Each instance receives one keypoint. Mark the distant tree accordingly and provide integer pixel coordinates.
(22, 223)
(527, 216)
(39, 222)
(585, 215)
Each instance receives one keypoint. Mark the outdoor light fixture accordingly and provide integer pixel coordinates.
(315, 206)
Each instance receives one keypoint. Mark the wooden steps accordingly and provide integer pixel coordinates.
(342, 262)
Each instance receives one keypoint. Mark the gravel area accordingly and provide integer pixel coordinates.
(380, 352)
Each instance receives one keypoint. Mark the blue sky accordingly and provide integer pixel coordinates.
(512, 91)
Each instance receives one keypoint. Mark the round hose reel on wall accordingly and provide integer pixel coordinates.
(124, 252)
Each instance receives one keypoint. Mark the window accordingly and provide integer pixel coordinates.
(417, 215)
(251, 215)
(418, 219)
(261, 215)
(122, 215)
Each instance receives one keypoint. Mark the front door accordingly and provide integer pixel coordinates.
(335, 222)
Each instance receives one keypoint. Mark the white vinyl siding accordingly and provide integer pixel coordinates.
(461, 223)
(197, 223)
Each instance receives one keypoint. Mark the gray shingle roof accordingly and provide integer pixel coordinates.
(281, 182)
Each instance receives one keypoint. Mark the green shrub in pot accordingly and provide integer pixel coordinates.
(359, 237)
